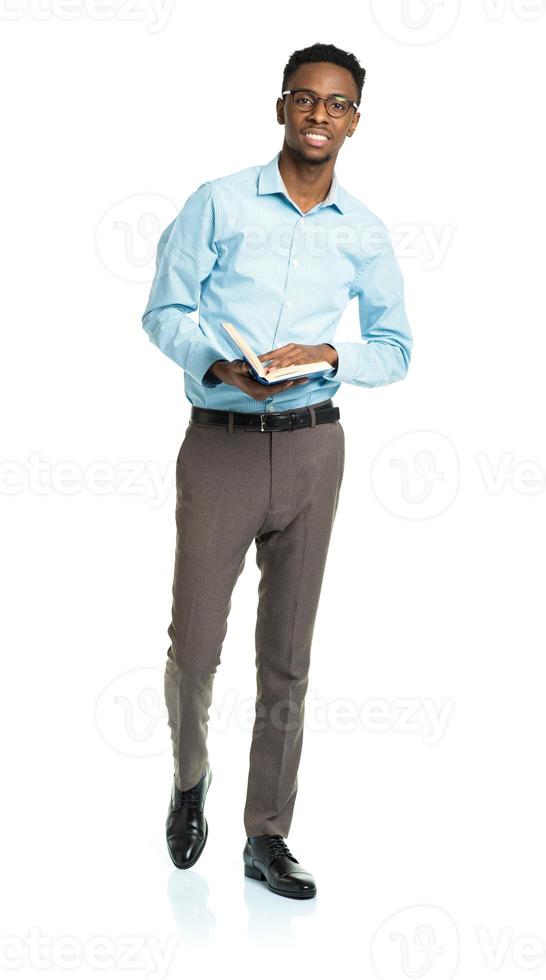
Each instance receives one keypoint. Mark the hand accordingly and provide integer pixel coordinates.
(293, 354)
(237, 373)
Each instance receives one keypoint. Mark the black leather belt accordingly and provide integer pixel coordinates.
(297, 418)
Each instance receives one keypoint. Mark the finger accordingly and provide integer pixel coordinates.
(276, 350)
(284, 362)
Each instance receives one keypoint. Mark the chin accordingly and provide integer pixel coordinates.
(310, 155)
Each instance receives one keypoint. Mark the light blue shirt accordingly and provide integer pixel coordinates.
(242, 251)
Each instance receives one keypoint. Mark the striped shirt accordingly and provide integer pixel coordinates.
(242, 251)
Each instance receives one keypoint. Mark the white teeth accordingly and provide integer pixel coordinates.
(316, 136)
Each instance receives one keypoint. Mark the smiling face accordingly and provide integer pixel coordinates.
(323, 79)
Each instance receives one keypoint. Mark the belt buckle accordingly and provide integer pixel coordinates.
(273, 428)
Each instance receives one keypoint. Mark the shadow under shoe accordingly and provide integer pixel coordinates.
(187, 828)
(268, 858)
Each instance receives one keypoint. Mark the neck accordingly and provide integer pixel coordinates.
(305, 181)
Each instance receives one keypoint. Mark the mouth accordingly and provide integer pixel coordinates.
(315, 137)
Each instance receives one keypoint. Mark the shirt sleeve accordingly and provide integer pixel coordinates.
(386, 353)
(186, 255)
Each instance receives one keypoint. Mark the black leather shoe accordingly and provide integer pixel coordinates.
(187, 828)
(268, 858)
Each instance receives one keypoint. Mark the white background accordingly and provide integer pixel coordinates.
(421, 801)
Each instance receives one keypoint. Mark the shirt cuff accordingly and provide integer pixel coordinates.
(347, 361)
(209, 379)
(199, 361)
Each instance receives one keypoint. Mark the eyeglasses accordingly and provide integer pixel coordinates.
(336, 105)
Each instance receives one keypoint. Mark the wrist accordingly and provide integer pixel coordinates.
(330, 354)
(217, 365)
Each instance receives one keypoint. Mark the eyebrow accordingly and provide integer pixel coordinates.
(304, 88)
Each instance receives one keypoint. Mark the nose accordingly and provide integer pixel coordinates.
(319, 112)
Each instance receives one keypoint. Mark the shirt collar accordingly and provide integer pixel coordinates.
(271, 182)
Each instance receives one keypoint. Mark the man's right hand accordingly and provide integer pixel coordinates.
(237, 373)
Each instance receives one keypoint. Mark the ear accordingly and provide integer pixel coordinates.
(280, 111)
(354, 124)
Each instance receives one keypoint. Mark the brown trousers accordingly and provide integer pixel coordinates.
(279, 490)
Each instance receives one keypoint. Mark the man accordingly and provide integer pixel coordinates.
(278, 250)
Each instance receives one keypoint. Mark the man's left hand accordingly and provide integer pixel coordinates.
(293, 354)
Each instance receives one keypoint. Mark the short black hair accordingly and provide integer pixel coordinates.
(325, 52)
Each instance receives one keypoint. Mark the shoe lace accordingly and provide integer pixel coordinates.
(277, 846)
(190, 797)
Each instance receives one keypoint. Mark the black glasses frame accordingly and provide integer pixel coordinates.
(318, 98)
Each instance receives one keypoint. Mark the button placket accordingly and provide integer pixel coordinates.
(293, 263)
(288, 302)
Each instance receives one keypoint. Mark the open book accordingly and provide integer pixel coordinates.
(256, 367)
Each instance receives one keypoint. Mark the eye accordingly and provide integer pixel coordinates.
(302, 98)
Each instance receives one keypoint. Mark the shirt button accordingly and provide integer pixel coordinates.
(289, 302)
(302, 221)
(294, 262)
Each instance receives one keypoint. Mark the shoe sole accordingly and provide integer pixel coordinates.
(254, 873)
(184, 867)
